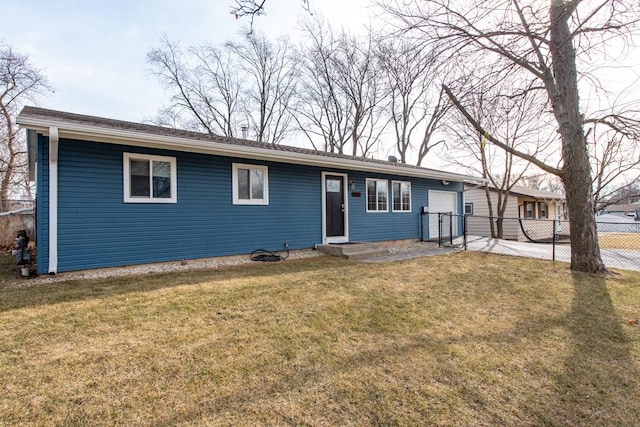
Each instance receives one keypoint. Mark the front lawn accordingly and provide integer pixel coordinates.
(459, 339)
(619, 241)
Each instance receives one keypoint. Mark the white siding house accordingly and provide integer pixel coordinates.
(525, 208)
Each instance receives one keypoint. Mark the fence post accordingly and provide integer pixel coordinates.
(464, 231)
(439, 230)
(555, 222)
(451, 228)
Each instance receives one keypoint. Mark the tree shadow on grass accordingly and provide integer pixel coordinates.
(597, 385)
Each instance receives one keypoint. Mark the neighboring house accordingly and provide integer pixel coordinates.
(18, 215)
(113, 193)
(625, 209)
(617, 223)
(525, 204)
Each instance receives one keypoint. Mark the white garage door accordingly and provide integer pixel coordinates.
(441, 201)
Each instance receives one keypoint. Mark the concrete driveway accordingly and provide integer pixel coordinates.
(614, 258)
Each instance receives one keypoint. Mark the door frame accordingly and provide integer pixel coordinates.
(345, 189)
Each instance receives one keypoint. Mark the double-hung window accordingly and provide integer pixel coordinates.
(401, 196)
(377, 193)
(250, 184)
(529, 210)
(543, 210)
(149, 179)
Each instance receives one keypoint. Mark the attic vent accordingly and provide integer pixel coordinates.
(393, 159)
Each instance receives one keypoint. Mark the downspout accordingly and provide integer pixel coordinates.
(53, 200)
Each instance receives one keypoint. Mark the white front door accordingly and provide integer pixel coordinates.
(441, 201)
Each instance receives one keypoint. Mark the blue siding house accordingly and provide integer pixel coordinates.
(113, 193)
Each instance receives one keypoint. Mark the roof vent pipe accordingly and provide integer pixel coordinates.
(245, 131)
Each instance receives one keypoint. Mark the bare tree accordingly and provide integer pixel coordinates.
(204, 96)
(625, 193)
(248, 8)
(512, 120)
(554, 184)
(415, 105)
(219, 89)
(340, 97)
(613, 142)
(543, 181)
(20, 82)
(534, 181)
(543, 44)
(253, 8)
(270, 78)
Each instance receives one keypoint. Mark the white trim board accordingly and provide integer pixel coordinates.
(345, 189)
(115, 135)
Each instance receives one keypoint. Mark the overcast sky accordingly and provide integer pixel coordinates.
(94, 51)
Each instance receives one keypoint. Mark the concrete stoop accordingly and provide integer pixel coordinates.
(354, 250)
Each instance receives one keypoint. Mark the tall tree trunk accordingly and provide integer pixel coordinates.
(576, 170)
(503, 199)
(492, 226)
(500, 218)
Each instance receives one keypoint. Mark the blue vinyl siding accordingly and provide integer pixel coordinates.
(380, 226)
(96, 228)
(42, 205)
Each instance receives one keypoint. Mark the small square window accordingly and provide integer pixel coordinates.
(377, 195)
(149, 179)
(250, 184)
(468, 208)
(401, 196)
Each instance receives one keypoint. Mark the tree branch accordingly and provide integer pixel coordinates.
(498, 143)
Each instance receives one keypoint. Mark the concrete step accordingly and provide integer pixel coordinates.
(354, 251)
(367, 254)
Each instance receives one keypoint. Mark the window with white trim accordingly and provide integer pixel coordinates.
(401, 193)
(250, 184)
(149, 179)
(377, 195)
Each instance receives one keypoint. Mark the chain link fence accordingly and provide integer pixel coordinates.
(17, 215)
(535, 238)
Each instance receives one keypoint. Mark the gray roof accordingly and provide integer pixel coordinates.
(73, 125)
(531, 192)
(624, 207)
(538, 194)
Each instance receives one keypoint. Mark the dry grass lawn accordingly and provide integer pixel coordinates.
(459, 339)
(619, 241)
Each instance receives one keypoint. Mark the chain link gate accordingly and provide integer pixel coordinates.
(452, 230)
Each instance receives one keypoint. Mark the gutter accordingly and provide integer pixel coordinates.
(53, 199)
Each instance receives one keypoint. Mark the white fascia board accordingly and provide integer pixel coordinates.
(150, 140)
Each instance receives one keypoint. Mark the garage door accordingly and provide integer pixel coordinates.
(441, 201)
